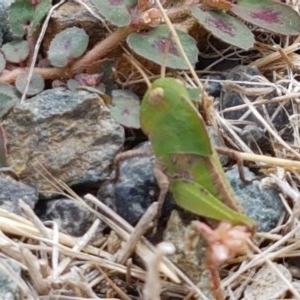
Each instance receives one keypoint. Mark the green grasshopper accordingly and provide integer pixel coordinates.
(183, 149)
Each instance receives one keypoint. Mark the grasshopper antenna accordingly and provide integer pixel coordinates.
(164, 58)
(178, 43)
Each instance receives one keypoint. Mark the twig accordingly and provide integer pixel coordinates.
(142, 226)
(84, 240)
(101, 49)
(278, 162)
(41, 284)
(152, 287)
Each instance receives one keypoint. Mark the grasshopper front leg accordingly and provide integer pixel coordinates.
(127, 155)
(159, 176)
(163, 184)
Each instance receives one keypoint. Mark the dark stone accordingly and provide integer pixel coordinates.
(213, 84)
(11, 191)
(231, 98)
(135, 188)
(72, 217)
(257, 139)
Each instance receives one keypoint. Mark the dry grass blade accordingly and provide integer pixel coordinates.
(145, 223)
(266, 60)
(152, 287)
(268, 127)
(37, 47)
(123, 229)
(143, 248)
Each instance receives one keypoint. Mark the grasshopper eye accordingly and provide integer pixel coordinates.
(156, 96)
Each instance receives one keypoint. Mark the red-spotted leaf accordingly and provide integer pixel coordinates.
(225, 27)
(68, 45)
(126, 108)
(270, 15)
(36, 84)
(158, 46)
(114, 11)
(16, 51)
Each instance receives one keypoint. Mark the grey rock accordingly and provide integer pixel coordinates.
(263, 205)
(70, 134)
(11, 191)
(267, 284)
(231, 98)
(135, 189)
(72, 217)
(9, 273)
(189, 256)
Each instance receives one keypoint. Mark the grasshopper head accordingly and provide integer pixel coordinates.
(156, 96)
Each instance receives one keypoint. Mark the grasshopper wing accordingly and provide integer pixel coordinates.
(196, 199)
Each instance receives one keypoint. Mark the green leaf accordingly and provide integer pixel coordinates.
(21, 12)
(6, 103)
(8, 89)
(114, 11)
(270, 15)
(158, 46)
(126, 108)
(9, 96)
(67, 45)
(195, 94)
(41, 11)
(225, 27)
(130, 3)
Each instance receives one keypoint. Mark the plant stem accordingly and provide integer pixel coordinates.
(215, 277)
(100, 50)
(95, 54)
